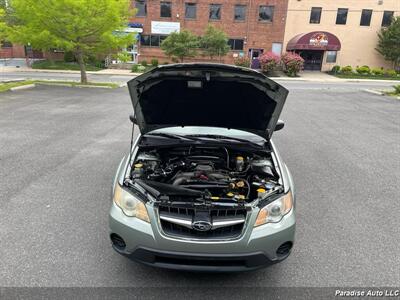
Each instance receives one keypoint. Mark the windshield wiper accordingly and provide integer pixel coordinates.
(171, 136)
(222, 138)
(204, 137)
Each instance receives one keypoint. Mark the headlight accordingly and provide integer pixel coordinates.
(274, 212)
(130, 205)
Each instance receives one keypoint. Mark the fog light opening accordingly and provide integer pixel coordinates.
(284, 249)
(117, 241)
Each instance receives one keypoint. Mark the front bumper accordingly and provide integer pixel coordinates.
(256, 247)
(199, 262)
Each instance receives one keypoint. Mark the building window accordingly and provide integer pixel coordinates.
(266, 13)
(277, 48)
(152, 40)
(331, 56)
(240, 13)
(341, 17)
(315, 16)
(162, 38)
(236, 44)
(366, 15)
(215, 12)
(190, 10)
(165, 9)
(141, 7)
(144, 40)
(387, 18)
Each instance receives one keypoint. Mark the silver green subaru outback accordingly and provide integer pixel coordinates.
(204, 187)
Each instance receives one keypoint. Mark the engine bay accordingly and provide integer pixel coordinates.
(220, 173)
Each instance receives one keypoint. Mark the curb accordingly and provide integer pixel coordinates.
(75, 86)
(70, 72)
(371, 80)
(288, 79)
(22, 87)
(12, 80)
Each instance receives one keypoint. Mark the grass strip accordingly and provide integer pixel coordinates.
(5, 86)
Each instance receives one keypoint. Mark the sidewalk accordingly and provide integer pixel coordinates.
(101, 72)
(309, 76)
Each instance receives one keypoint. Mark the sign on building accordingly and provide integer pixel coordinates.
(319, 39)
(164, 27)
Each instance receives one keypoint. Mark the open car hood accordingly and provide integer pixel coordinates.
(213, 95)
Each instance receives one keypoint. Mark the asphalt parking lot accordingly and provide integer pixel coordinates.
(60, 147)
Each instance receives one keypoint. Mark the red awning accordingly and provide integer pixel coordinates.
(316, 40)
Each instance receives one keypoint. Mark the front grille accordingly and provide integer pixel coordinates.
(231, 231)
(193, 261)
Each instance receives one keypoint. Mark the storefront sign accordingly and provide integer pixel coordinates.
(135, 25)
(319, 40)
(129, 29)
(164, 27)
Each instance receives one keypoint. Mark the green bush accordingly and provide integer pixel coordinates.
(390, 73)
(363, 70)
(154, 62)
(397, 89)
(347, 70)
(141, 68)
(143, 63)
(123, 57)
(135, 68)
(377, 71)
(95, 61)
(69, 56)
(335, 69)
(61, 65)
(242, 62)
(100, 64)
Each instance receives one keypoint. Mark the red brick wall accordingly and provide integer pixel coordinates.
(58, 56)
(259, 34)
(5, 52)
(16, 51)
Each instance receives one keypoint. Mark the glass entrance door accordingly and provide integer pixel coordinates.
(312, 59)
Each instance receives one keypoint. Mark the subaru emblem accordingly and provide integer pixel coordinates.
(201, 225)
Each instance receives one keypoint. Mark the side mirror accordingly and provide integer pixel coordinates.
(133, 119)
(279, 125)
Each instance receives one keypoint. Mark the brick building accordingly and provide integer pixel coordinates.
(8, 50)
(253, 26)
(325, 33)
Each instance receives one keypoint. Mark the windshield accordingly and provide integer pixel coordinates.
(200, 130)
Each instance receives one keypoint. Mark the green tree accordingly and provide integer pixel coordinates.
(389, 42)
(85, 27)
(2, 26)
(8, 16)
(214, 42)
(180, 45)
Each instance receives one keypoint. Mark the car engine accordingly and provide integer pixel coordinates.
(220, 172)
